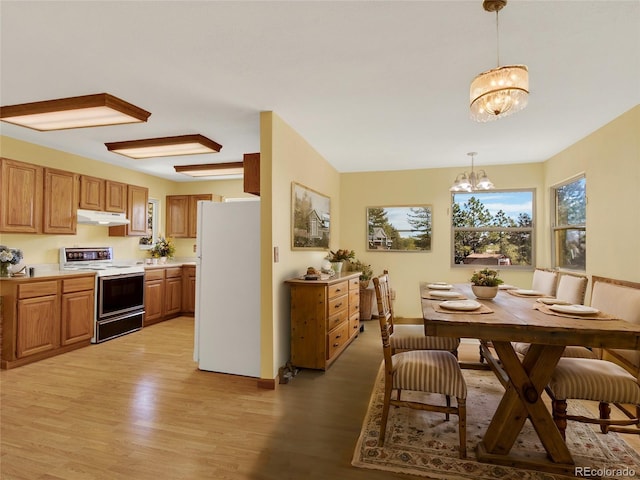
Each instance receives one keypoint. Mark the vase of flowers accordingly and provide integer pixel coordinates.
(366, 272)
(340, 259)
(8, 256)
(484, 283)
(163, 249)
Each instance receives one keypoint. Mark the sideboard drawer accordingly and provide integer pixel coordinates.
(338, 304)
(336, 319)
(338, 289)
(337, 338)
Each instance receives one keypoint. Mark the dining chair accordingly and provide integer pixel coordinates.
(409, 337)
(545, 280)
(610, 380)
(572, 288)
(426, 371)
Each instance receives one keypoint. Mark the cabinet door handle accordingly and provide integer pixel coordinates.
(338, 289)
(338, 305)
(356, 307)
(336, 344)
(338, 336)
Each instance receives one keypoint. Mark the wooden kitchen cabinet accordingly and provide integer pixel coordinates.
(78, 302)
(173, 292)
(45, 317)
(92, 193)
(251, 178)
(324, 319)
(182, 214)
(162, 293)
(115, 197)
(153, 295)
(21, 189)
(188, 289)
(60, 201)
(137, 204)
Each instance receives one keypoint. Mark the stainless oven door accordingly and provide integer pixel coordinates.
(119, 294)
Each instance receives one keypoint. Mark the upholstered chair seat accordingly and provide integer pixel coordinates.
(412, 337)
(428, 371)
(522, 348)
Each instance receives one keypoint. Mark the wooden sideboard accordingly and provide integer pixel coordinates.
(325, 319)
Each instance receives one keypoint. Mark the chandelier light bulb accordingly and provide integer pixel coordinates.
(471, 182)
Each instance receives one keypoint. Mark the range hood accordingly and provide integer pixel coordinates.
(105, 219)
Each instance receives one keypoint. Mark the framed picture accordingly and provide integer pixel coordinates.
(404, 228)
(310, 223)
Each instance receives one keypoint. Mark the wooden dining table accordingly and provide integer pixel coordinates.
(513, 318)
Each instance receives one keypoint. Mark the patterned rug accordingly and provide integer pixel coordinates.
(423, 443)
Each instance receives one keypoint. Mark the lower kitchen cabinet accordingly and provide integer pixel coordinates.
(164, 293)
(46, 317)
(188, 289)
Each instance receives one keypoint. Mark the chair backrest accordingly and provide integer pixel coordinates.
(572, 288)
(385, 316)
(544, 281)
(621, 299)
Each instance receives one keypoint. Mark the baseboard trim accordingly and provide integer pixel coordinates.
(267, 383)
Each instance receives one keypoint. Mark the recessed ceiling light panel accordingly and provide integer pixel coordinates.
(165, 146)
(75, 112)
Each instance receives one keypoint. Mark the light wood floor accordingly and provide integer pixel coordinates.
(137, 408)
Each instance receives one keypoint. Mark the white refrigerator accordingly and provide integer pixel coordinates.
(227, 316)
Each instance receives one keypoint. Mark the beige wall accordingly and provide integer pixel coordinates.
(430, 187)
(610, 160)
(39, 249)
(290, 159)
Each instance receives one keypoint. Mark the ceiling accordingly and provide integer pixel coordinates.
(370, 85)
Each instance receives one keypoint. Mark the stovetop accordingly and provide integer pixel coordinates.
(98, 259)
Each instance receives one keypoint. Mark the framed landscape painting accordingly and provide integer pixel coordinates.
(310, 220)
(403, 228)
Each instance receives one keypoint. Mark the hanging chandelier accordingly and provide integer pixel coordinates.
(501, 91)
(473, 181)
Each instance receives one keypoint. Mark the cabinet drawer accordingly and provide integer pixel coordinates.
(354, 284)
(336, 319)
(354, 324)
(78, 284)
(337, 304)
(337, 338)
(37, 289)
(173, 272)
(338, 289)
(154, 274)
(354, 301)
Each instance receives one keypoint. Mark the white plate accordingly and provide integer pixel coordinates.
(444, 294)
(505, 286)
(577, 309)
(464, 305)
(552, 301)
(533, 293)
(439, 286)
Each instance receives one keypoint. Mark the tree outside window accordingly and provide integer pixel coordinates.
(569, 241)
(493, 228)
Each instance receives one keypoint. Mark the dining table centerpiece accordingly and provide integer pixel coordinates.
(485, 283)
(8, 256)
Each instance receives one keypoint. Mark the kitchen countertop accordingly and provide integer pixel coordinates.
(52, 274)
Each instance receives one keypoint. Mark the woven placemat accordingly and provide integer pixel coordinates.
(516, 294)
(594, 316)
(483, 309)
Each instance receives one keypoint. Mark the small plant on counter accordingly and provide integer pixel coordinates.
(342, 255)
(366, 272)
(8, 256)
(486, 278)
(163, 248)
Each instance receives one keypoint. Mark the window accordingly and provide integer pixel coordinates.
(568, 243)
(493, 228)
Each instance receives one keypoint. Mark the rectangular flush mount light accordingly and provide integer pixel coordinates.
(73, 112)
(211, 169)
(165, 146)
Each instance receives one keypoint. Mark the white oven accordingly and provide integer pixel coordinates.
(119, 291)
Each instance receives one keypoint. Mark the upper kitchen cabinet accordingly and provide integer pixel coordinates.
(21, 194)
(182, 214)
(102, 195)
(92, 193)
(251, 163)
(137, 199)
(60, 201)
(116, 197)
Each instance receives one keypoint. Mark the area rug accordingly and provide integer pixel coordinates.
(424, 444)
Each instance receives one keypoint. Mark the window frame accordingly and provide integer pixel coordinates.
(532, 229)
(554, 227)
